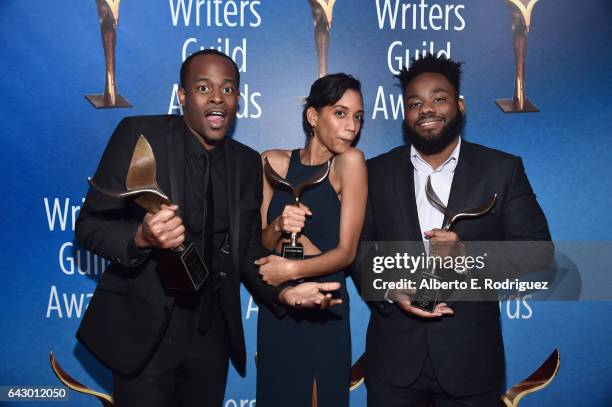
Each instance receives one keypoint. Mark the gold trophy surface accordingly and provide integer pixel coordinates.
(322, 14)
(293, 249)
(426, 299)
(72, 383)
(539, 379)
(521, 23)
(181, 268)
(108, 13)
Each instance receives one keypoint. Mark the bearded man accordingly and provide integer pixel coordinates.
(453, 356)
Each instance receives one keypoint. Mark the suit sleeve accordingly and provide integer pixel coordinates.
(368, 233)
(106, 225)
(249, 272)
(523, 221)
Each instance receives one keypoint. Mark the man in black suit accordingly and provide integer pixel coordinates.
(453, 356)
(164, 347)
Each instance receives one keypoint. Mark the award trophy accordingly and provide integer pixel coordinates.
(322, 20)
(539, 379)
(426, 299)
(521, 22)
(72, 383)
(181, 268)
(293, 249)
(108, 13)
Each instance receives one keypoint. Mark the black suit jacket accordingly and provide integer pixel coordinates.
(466, 349)
(129, 311)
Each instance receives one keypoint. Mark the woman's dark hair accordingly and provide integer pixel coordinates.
(326, 91)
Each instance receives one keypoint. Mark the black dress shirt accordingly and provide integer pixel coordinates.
(205, 214)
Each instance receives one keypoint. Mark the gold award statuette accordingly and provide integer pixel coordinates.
(322, 14)
(539, 379)
(181, 268)
(293, 249)
(521, 23)
(70, 382)
(108, 13)
(426, 299)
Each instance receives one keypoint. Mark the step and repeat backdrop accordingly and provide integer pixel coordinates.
(53, 136)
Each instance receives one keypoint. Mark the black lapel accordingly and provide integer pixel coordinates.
(232, 165)
(175, 144)
(463, 180)
(404, 198)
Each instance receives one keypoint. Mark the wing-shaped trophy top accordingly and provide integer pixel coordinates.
(296, 191)
(140, 181)
(449, 219)
(525, 7)
(432, 197)
(474, 213)
(328, 9)
(273, 176)
(536, 381)
(105, 399)
(315, 179)
(141, 174)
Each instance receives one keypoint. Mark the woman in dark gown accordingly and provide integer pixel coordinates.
(304, 358)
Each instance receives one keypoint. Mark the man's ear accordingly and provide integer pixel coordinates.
(181, 95)
(461, 105)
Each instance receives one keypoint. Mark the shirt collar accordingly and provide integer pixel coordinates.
(419, 164)
(196, 148)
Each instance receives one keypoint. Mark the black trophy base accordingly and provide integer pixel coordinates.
(293, 252)
(426, 298)
(508, 106)
(182, 270)
(98, 102)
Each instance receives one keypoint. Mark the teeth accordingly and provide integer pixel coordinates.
(428, 123)
(216, 114)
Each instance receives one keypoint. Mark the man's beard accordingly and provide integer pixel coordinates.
(434, 144)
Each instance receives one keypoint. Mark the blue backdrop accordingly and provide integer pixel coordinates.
(53, 138)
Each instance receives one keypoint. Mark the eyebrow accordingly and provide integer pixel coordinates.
(204, 79)
(345, 107)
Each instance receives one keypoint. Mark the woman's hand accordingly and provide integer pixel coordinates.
(276, 270)
(292, 219)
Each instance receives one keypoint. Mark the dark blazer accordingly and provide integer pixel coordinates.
(129, 311)
(466, 349)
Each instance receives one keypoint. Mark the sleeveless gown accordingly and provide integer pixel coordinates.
(306, 345)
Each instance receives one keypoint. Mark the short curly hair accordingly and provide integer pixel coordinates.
(432, 64)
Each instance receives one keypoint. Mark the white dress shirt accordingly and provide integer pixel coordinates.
(430, 217)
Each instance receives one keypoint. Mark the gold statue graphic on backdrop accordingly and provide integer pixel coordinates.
(72, 383)
(521, 23)
(108, 13)
(322, 11)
